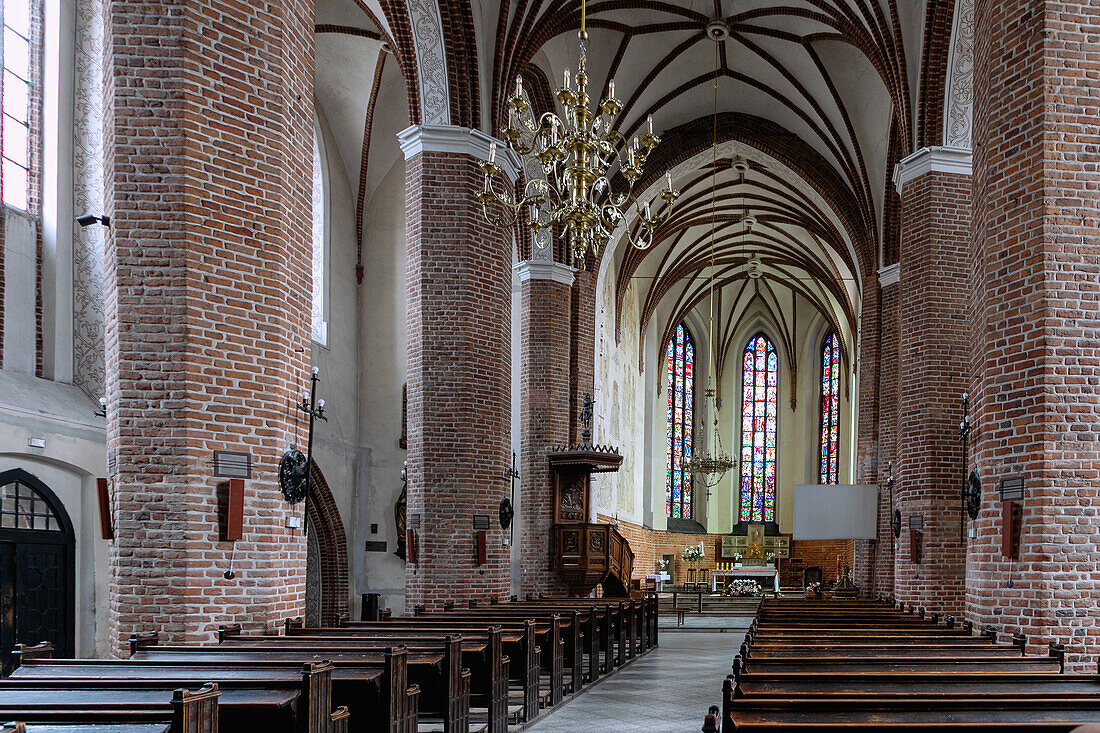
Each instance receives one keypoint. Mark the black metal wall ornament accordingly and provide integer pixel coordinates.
(294, 473)
(964, 435)
(973, 495)
(507, 504)
(896, 522)
(895, 514)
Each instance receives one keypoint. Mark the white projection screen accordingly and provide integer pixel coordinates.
(841, 512)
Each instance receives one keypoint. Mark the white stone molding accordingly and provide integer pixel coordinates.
(419, 139)
(431, 63)
(938, 159)
(889, 275)
(544, 270)
(958, 107)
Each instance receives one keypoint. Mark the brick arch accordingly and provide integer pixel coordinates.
(324, 517)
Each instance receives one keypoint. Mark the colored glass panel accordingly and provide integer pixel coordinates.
(829, 434)
(759, 422)
(679, 417)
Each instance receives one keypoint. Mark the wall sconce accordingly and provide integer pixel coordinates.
(88, 219)
(102, 411)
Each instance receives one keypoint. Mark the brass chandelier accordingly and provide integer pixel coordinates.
(575, 151)
(709, 466)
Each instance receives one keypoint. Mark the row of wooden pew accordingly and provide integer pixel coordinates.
(459, 670)
(841, 665)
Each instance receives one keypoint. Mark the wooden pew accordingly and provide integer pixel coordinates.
(312, 681)
(521, 644)
(482, 654)
(120, 711)
(373, 686)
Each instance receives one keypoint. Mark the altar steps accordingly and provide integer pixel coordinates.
(706, 604)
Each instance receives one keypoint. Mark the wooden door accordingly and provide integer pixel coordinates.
(36, 568)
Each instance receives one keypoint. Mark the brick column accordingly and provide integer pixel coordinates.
(209, 172)
(934, 184)
(887, 547)
(1035, 325)
(546, 292)
(865, 558)
(583, 364)
(459, 282)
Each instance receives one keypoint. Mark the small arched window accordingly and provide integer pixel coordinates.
(23, 507)
(759, 393)
(319, 314)
(680, 422)
(829, 436)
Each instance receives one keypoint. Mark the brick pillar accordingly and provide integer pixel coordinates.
(459, 287)
(887, 546)
(1036, 412)
(207, 306)
(583, 363)
(865, 558)
(546, 293)
(934, 184)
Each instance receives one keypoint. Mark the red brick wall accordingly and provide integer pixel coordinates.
(1034, 329)
(867, 425)
(208, 312)
(544, 423)
(582, 365)
(886, 546)
(932, 361)
(459, 285)
(829, 555)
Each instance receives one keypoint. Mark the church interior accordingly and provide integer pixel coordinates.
(750, 347)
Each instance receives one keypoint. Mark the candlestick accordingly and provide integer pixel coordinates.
(492, 152)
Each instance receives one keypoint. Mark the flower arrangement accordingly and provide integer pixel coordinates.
(813, 588)
(738, 557)
(693, 553)
(770, 556)
(743, 587)
(662, 565)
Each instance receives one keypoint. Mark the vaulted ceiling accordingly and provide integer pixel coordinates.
(819, 98)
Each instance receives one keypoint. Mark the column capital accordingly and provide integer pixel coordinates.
(417, 139)
(939, 159)
(889, 275)
(544, 270)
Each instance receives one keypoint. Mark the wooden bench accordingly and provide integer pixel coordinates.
(372, 686)
(312, 682)
(124, 711)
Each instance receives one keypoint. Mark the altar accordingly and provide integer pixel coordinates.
(754, 573)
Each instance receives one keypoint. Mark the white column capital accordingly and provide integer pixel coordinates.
(889, 275)
(418, 139)
(544, 270)
(939, 159)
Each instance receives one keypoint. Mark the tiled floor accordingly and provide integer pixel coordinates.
(666, 691)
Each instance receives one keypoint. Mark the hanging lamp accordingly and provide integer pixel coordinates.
(576, 151)
(711, 464)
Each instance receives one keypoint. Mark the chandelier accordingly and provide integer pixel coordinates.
(575, 150)
(710, 465)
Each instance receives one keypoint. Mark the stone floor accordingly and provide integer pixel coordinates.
(666, 691)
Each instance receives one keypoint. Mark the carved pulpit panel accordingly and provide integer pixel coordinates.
(572, 499)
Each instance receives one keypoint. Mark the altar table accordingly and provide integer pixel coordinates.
(755, 573)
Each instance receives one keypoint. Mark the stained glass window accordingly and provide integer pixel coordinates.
(680, 375)
(759, 391)
(829, 472)
(319, 324)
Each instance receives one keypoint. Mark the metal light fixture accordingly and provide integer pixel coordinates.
(709, 466)
(575, 151)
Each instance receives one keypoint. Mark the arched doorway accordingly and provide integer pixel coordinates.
(326, 554)
(37, 556)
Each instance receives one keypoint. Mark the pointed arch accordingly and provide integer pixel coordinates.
(679, 422)
(829, 427)
(324, 518)
(759, 429)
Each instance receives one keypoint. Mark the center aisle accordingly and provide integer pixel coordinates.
(662, 692)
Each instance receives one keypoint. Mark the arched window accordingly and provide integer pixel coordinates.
(759, 390)
(22, 101)
(680, 373)
(319, 320)
(829, 453)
